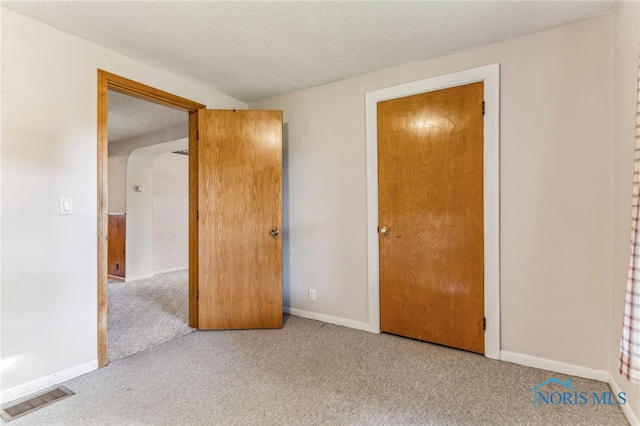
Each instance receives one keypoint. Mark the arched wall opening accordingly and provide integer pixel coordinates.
(139, 195)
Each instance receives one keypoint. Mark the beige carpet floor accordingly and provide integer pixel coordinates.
(146, 313)
(312, 373)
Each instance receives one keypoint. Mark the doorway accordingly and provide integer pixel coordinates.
(489, 76)
(148, 210)
(235, 199)
(106, 82)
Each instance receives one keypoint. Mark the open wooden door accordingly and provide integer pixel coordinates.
(239, 217)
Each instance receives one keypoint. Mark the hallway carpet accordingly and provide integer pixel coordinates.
(312, 373)
(146, 313)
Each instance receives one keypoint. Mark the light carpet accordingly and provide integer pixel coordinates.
(146, 313)
(313, 373)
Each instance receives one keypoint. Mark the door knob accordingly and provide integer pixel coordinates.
(384, 230)
(275, 232)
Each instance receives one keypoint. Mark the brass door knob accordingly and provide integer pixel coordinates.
(384, 230)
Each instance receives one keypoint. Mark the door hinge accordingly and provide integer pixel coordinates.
(484, 323)
(197, 294)
(198, 131)
(197, 214)
(482, 107)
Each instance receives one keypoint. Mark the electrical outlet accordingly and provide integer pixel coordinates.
(312, 295)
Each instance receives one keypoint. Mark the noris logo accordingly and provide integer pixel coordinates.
(571, 396)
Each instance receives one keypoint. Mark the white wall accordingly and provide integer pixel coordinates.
(119, 154)
(49, 266)
(117, 170)
(626, 38)
(139, 236)
(170, 218)
(138, 240)
(556, 167)
(567, 133)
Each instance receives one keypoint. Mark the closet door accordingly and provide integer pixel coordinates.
(431, 212)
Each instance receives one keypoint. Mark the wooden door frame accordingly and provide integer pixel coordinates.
(490, 75)
(108, 81)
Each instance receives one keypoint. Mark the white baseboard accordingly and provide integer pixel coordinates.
(358, 325)
(138, 278)
(555, 366)
(572, 370)
(164, 271)
(42, 383)
(632, 418)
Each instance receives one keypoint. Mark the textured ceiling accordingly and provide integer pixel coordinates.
(129, 117)
(254, 50)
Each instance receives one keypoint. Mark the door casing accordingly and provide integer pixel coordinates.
(108, 81)
(490, 75)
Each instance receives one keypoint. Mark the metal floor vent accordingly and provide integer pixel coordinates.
(31, 403)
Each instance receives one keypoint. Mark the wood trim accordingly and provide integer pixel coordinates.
(108, 81)
(148, 93)
(115, 277)
(193, 219)
(103, 152)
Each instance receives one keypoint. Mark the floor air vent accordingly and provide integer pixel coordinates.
(31, 403)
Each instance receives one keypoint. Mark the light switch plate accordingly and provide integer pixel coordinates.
(66, 205)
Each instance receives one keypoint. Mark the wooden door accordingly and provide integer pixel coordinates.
(239, 219)
(430, 183)
(116, 227)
